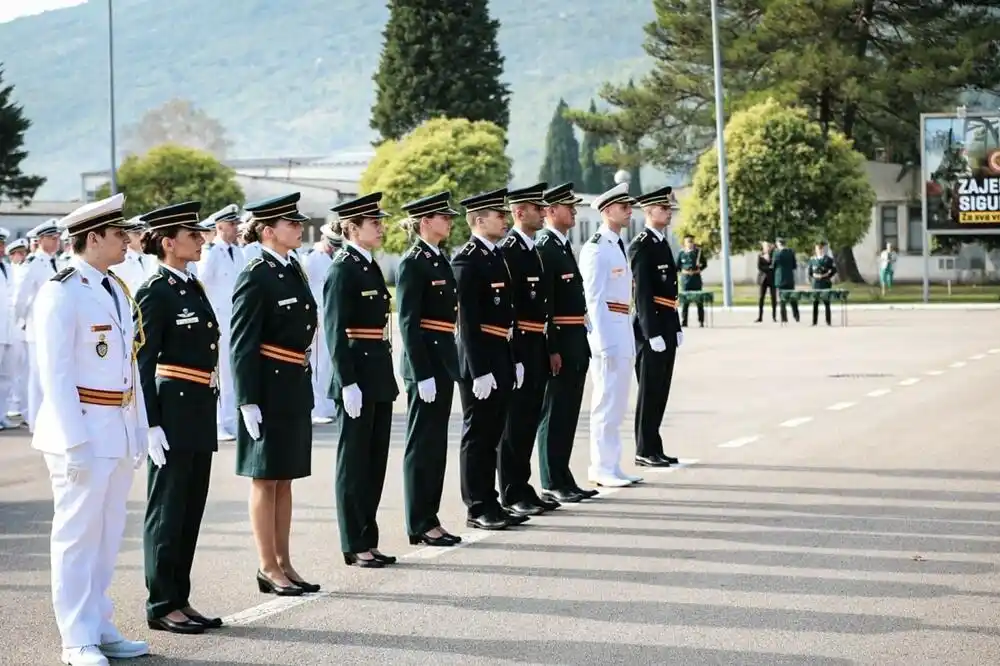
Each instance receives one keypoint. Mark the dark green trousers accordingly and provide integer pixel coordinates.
(654, 372)
(362, 455)
(175, 503)
(426, 455)
(557, 427)
(514, 459)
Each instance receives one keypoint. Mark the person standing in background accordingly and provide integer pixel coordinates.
(316, 265)
(784, 265)
(765, 282)
(135, 268)
(822, 268)
(886, 267)
(691, 263)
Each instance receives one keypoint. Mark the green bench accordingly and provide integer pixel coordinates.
(816, 296)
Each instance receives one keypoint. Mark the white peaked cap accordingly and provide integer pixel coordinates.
(617, 193)
(106, 212)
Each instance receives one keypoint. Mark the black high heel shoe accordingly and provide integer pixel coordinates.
(268, 586)
(351, 559)
(306, 587)
(443, 540)
(384, 559)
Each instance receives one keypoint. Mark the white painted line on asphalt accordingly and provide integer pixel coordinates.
(977, 357)
(909, 382)
(430, 552)
(273, 607)
(738, 442)
(934, 373)
(794, 423)
(957, 364)
(878, 393)
(837, 406)
(995, 351)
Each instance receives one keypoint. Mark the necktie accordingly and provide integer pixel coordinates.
(3, 267)
(52, 261)
(230, 251)
(106, 283)
(139, 257)
(621, 246)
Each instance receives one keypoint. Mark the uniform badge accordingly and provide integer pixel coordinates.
(271, 264)
(532, 295)
(171, 281)
(496, 300)
(102, 346)
(428, 255)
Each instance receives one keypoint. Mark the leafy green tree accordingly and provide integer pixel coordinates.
(562, 150)
(785, 179)
(170, 174)
(437, 61)
(867, 69)
(453, 154)
(14, 184)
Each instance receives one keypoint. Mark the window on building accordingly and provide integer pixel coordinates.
(889, 226)
(915, 230)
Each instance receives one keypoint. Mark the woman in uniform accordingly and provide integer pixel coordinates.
(427, 306)
(273, 324)
(356, 317)
(177, 369)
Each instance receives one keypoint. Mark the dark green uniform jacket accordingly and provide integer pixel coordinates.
(654, 275)
(821, 272)
(427, 301)
(485, 311)
(563, 286)
(182, 339)
(691, 263)
(531, 303)
(356, 316)
(784, 265)
(273, 325)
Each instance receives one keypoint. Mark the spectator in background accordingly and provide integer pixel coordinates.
(886, 267)
(765, 280)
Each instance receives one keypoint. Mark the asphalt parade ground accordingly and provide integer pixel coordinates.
(838, 505)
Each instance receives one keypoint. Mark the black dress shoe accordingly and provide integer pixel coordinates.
(352, 560)
(441, 541)
(207, 622)
(513, 519)
(185, 627)
(456, 539)
(651, 461)
(268, 586)
(566, 496)
(547, 504)
(384, 559)
(490, 521)
(524, 508)
(588, 493)
(306, 587)
(669, 459)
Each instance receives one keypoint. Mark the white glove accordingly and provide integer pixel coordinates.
(252, 419)
(586, 322)
(657, 344)
(351, 395)
(156, 445)
(519, 374)
(427, 389)
(77, 464)
(483, 386)
(680, 338)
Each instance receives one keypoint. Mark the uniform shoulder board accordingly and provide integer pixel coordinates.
(414, 251)
(254, 263)
(63, 275)
(642, 236)
(341, 256)
(508, 241)
(469, 248)
(596, 238)
(542, 238)
(32, 257)
(210, 245)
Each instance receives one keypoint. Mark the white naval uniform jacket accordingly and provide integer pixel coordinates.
(607, 285)
(82, 343)
(135, 270)
(217, 271)
(39, 267)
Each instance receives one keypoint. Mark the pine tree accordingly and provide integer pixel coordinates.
(14, 185)
(438, 61)
(562, 151)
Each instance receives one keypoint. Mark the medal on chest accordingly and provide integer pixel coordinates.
(102, 346)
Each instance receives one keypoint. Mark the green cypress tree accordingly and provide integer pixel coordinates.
(438, 61)
(14, 185)
(562, 151)
(592, 174)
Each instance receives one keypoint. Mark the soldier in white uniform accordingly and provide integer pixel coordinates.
(220, 263)
(137, 267)
(16, 400)
(8, 352)
(316, 264)
(40, 267)
(91, 427)
(607, 284)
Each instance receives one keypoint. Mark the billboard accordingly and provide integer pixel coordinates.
(961, 172)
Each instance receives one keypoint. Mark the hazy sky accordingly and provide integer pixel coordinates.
(11, 9)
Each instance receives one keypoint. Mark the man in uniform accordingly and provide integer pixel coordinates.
(784, 265)
(531, 308)
(822, 268)
(569, 351)
(316, 265)
(691, 263)
(485, 357)
(220, 263)
(656, 325)
(607, 282)
(136, 267)
(91, 427)
(41, 266)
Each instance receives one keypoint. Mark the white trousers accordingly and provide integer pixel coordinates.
(8, 370)
(16, 396)
(87, 530)
(322, 369)
(225, 411)
(608, 401)
(34, 387)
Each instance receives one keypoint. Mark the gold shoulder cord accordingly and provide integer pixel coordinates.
(140, 338)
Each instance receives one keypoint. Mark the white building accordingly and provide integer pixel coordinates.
(19, 220)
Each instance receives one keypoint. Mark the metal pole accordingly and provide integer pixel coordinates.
(111, 97)
(926, 249)
(727, 280)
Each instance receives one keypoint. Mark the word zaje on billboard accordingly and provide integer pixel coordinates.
(979, 198)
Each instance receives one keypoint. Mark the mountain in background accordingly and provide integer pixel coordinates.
(286, 78)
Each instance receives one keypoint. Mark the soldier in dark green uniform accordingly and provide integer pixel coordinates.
(356, 312)
(822, 268)
(569, 351)
(691, 263)
(656, 325)
(532, 312)
(177, 368)
(784, 265)
(273, 325)
(427, 303)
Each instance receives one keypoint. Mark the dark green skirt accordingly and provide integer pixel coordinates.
(283, 452)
